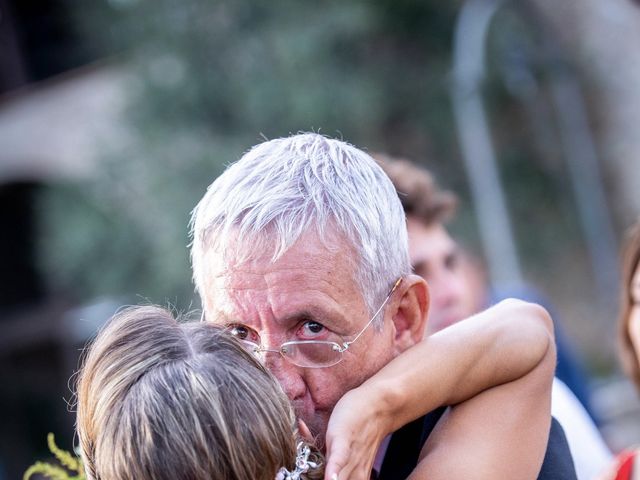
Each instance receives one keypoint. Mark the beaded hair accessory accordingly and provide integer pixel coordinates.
(303, 464)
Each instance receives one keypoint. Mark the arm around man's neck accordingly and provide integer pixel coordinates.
(495, 370)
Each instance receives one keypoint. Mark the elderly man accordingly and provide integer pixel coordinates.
(459, 290)
(296, 247)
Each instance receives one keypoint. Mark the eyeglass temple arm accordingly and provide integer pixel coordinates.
(346, 345)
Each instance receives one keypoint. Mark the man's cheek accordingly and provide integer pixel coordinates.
(325, 391)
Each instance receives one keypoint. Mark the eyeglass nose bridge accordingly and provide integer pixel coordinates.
(281, 353)
(262, 349)
(261, 353)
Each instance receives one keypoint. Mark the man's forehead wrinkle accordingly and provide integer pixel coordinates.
(245, 278)
(221, 317)
(308, 281)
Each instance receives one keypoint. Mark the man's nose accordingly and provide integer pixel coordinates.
(288, 375)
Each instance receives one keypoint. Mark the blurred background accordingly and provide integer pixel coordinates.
(115, 115)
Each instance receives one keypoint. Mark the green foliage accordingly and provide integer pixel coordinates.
(69, 461)
(210, 79)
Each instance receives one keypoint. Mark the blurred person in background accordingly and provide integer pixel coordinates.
(459, 289)
(301, 246)
(626, 465)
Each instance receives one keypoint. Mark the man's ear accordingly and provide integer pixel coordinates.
(410, 315)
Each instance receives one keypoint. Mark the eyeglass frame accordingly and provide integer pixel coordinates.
(337, 347)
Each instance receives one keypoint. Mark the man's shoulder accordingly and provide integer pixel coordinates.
(558, 462)
(406, 444)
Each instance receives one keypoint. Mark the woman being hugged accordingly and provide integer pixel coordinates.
(159, 399)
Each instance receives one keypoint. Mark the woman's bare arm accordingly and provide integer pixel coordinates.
(495, 369)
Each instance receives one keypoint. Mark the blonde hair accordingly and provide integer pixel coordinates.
(159, 399)
(630, 260)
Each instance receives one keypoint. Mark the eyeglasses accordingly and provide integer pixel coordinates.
(311, 353)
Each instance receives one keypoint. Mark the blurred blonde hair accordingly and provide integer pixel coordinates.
(159, 399)
(630, 259)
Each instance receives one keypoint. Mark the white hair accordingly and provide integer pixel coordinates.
(283, 188)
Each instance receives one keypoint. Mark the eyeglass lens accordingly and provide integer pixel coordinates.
(312, 354)
(306, 354)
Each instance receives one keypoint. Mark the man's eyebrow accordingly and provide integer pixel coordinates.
(309, 314)
(220, 319)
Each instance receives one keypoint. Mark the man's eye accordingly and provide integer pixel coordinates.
(243, 332)
(312, 328)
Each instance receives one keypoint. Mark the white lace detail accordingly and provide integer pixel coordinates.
(303, 464)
